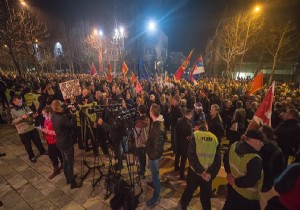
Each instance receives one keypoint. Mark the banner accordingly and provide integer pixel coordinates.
(70, 89)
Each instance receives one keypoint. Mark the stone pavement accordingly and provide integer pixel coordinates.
(24, 185)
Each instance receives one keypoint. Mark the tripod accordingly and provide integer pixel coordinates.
(86, 125)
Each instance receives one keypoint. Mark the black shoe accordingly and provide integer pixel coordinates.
(2, 154)
(76, 185)
(75, 176)
(44, 153)
(33, 160)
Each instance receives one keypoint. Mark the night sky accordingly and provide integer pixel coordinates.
(187, 23)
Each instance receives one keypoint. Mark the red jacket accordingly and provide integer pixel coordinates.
(49, 135)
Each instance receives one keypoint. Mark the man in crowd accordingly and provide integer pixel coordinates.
(176, 113)
(288, 134)
(205, 162)
(64, 128)
(22, 117)
(183, 136)
(154, 150)
(215, 123)
(244, 168)
(141, 134)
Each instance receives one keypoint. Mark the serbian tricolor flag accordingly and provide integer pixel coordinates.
(133, 77)
(109, 76)
(199, 67)
(124, 69)
(182, 68)
(264, 111)
(138, 87)
(93, 70)
(256, 83)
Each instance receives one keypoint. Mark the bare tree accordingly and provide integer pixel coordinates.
(237, 36)
(281, 44)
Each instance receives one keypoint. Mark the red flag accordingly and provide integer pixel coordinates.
(191, 74)
(182, 68)
(109, 76)
(138, 87)
(264, 111)
(93, 70)
(133, 77)
(256, 83)
(124, 69)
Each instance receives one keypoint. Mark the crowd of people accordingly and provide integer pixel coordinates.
(199, 118)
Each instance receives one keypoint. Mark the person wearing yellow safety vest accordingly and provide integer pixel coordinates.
(205, 162)
(244, 168)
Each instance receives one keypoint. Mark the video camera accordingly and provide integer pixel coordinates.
(127, 116)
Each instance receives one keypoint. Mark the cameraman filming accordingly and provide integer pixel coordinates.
(64, 128)
(22, 117)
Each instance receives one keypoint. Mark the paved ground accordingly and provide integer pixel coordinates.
(24, 185)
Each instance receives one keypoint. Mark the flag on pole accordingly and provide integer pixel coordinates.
(192, 79)
(256, 83)
(182, 68)
(138, 87)
(93, 70)
(199, 67)
(109, 76)
(124, 69)
(264, 111)
(133, 77)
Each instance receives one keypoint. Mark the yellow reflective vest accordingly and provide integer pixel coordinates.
(238, 168)
(206, 147)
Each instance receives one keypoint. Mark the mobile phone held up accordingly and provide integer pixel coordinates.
(30, 113)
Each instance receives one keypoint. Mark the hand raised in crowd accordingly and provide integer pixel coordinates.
(230, 179)
(206, 176)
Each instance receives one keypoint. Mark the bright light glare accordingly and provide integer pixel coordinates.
(100, 33)
(121, 31)
(95, 31)
(257, 9)
(152, 25)
(23, 3)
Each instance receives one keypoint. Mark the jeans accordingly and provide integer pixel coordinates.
(154, 168)
(68, 164)
(26, 140)
(141, 154)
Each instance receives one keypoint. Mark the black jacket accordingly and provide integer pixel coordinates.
(183, 131)
(288, 136)
(156, 140)
(176, 113)
(273, 163)
(64, 128)
(194, 162)
(215, 125)
(254, 166)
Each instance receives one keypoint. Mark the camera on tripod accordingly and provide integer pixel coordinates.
(67, 108)
(127, 116)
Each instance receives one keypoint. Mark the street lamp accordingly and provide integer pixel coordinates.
(152, 26)
(257, 9)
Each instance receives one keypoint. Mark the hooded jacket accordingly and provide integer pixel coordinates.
(156, 140)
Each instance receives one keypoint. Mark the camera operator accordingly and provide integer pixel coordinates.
(141, 134)
(85, 101)
(22, 117)
(63, 126)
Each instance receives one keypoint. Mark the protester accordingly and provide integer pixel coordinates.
(215, 123)
(183, 136)
(154, 150)
(176, 113)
